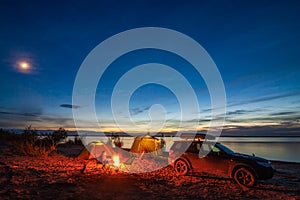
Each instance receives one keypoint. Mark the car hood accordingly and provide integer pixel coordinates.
(254, 158)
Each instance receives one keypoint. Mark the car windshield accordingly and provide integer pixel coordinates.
(224, 148)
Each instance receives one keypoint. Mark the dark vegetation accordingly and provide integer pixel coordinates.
(31, 143)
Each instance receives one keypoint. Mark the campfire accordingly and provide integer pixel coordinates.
(116, 160)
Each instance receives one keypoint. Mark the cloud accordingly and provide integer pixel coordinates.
(9, 119)
(22, 118)
(25, 114)
(267, 98)
(268, 118)
(283, 113)
(257, 100)
(136, 111)
(267, 130)
(69, 106)
(240, 112)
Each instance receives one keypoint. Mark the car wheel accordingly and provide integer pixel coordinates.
(244, 177)
(181, 167)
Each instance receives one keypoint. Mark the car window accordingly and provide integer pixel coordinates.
(179, 146)
(192, 148)
(205, 147)
(224, 148)
(215, 149)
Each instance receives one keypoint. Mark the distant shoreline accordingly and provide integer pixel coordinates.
(122, 134)
(245, 136)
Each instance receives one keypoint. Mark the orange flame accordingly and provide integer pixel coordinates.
(116, 160)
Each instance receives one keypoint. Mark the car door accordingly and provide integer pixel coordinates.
(193, 156)
(216, 161)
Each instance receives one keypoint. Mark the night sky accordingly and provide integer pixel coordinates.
(255, 45)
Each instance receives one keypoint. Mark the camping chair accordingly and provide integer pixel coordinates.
(127, 164)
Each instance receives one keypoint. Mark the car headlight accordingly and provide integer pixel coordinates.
(265, 164)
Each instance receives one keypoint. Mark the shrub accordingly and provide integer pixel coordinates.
(6, 136)
(30, 143)
(58, 135)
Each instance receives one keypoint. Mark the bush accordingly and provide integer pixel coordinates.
(6, 136)
(29, 148)
(30, 143)
(58, 135)
(78, 141)
(30, 135)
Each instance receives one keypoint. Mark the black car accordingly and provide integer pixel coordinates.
(219, 160)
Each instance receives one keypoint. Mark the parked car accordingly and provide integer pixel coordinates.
(219, 160)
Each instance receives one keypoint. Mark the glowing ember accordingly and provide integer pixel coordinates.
(116, 160)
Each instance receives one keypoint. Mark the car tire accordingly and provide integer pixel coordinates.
(244, 177)
(181, 167)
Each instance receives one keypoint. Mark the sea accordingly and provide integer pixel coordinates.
(272, 148)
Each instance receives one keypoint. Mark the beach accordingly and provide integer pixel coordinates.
(59, 176)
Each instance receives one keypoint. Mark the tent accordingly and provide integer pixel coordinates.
(146, 144)
(96, 149)
(103, 152)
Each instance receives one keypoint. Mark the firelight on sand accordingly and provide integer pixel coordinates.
(116, 160)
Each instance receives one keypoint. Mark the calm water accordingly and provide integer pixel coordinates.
(273, 148)
(283, 149)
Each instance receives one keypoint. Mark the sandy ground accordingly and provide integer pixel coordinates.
(60, 177)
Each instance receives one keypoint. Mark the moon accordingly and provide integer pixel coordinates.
(24, 66)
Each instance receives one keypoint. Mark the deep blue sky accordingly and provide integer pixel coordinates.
(255, 44)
